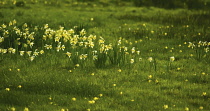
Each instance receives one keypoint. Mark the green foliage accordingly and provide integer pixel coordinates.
(172, 4)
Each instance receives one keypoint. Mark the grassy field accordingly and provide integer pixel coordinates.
(102, 56)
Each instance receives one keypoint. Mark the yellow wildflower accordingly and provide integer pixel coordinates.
(119, 70)
(165, 106)
(204, 94)
(73, 99)
(77, 65)
(91, 102)
(187, 109)
(12, 108)
(150, 76)
(7, 89)
(201, 107)
(95, 98)
(91, 19)
(26, 109)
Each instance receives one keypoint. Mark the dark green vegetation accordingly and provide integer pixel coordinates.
(171, 71)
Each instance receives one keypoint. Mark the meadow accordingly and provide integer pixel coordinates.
(103, 56)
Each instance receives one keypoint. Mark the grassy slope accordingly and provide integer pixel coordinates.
(51, 87)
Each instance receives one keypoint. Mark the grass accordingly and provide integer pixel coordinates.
(112, 76)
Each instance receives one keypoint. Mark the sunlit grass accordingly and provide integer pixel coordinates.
(108, 62)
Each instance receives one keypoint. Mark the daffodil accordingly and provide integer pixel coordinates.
(172, 58)
(150, 59)
(68, 54)
(1, 39)
(119, 42)
(4, 26)
(95, 57)
(45, 26)
(41, 51)
(10, 23)
(31, 44)
(132, 61)
(133, 50)
(29, 53)
(10, 50)
(35, 53)
(21, 53)
(82, 32)
(31, 58)
(14, 22)
(48, 46)
(4, 51)
(25, 25)
(138, 52)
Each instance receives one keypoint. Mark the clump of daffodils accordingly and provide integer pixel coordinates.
(78, 46)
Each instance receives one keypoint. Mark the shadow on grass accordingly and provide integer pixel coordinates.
(71, 88)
